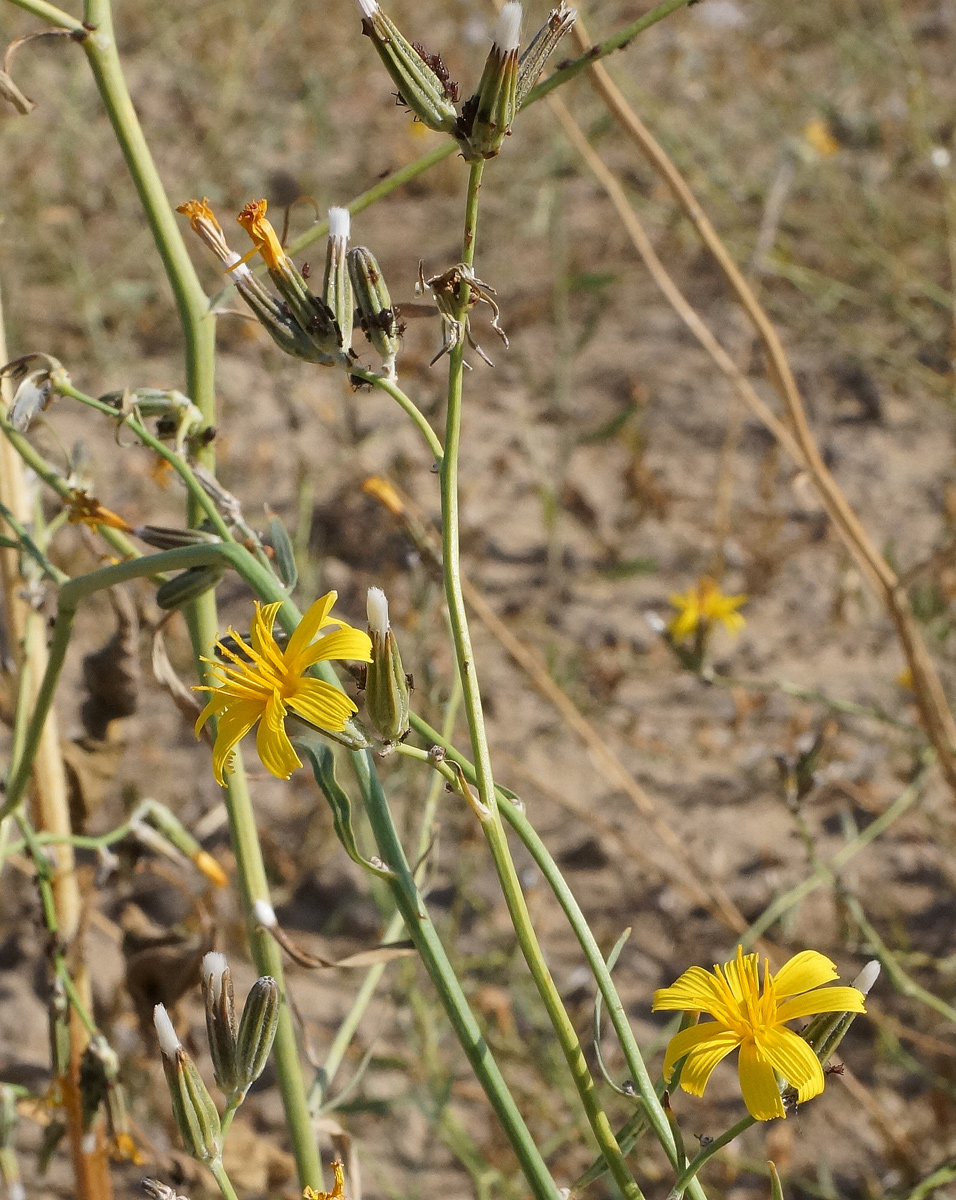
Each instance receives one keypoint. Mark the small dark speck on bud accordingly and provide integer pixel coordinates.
(704, 1138)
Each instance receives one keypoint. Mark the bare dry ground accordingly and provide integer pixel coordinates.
(606, 465)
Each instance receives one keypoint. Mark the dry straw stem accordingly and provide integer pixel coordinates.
(51, 808)
(798, 440)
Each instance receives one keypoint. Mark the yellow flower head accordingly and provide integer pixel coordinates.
(253, 220)
(704, 605)
(754, 1019)
(269, 682)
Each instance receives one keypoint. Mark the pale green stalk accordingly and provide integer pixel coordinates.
(418, 418)
(487, 807)
(222, 1180)
(363, 997)
(514, 814)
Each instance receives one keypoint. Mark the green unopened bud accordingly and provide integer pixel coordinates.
(220, 1020)
(257, 1030)
(338, 287)
(420, 88)
(487, 116)
(194, 1112)
(165, 537)
(540, 49)
(386, 685)
(187, 586)
(376, 314)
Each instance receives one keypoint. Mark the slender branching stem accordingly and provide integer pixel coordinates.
(487, 806)
(418, 418)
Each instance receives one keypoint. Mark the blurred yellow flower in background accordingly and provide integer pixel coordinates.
(754, 1019)
(704, 605)
(269, 682)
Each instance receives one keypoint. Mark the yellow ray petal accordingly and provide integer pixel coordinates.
(758, 1084)
(806, 970)
(702, 1058)
(682, 1043)
(321, 704)
(796, 1062)
(348, 643)
(263, 641)
(314, 618)
(696, 990)
(234, 723)
(272, 742)
(828, 999)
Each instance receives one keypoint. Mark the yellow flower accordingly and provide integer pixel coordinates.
(270, 682)
(703, 605)
(755, 1020)
(253, 220)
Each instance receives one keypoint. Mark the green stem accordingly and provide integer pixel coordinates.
(197, 322)
(346, 1031)
(471, 695)
(179, 464)
(51, 14)
(54, 480)
(689, 1174)
(420, 928)
(222, 1180)
(516, 818)
(408, 405)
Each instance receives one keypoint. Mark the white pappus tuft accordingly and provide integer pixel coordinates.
(265, 914)
(214, 966)
(169, 1043)
(340, 221)
(377, 608)
(368, 8)
(508, 28)
(867, 977)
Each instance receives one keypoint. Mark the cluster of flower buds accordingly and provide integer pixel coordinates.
(386, 684)
(239, 1053)
(301, 323)
(424, 86)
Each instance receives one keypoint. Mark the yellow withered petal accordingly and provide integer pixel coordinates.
(196, 211)
(253, 220)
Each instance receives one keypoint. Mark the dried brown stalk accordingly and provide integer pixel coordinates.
(51, 809)
(798, 439)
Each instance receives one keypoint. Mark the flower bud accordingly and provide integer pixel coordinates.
(195, 1114)
(419, 87)
(257, 1030)
(486, 117)
(376, 314)
(165, 537)
(220, 1020)
(386, 685)
(338, 287)
(540, 49)
(188, 585)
